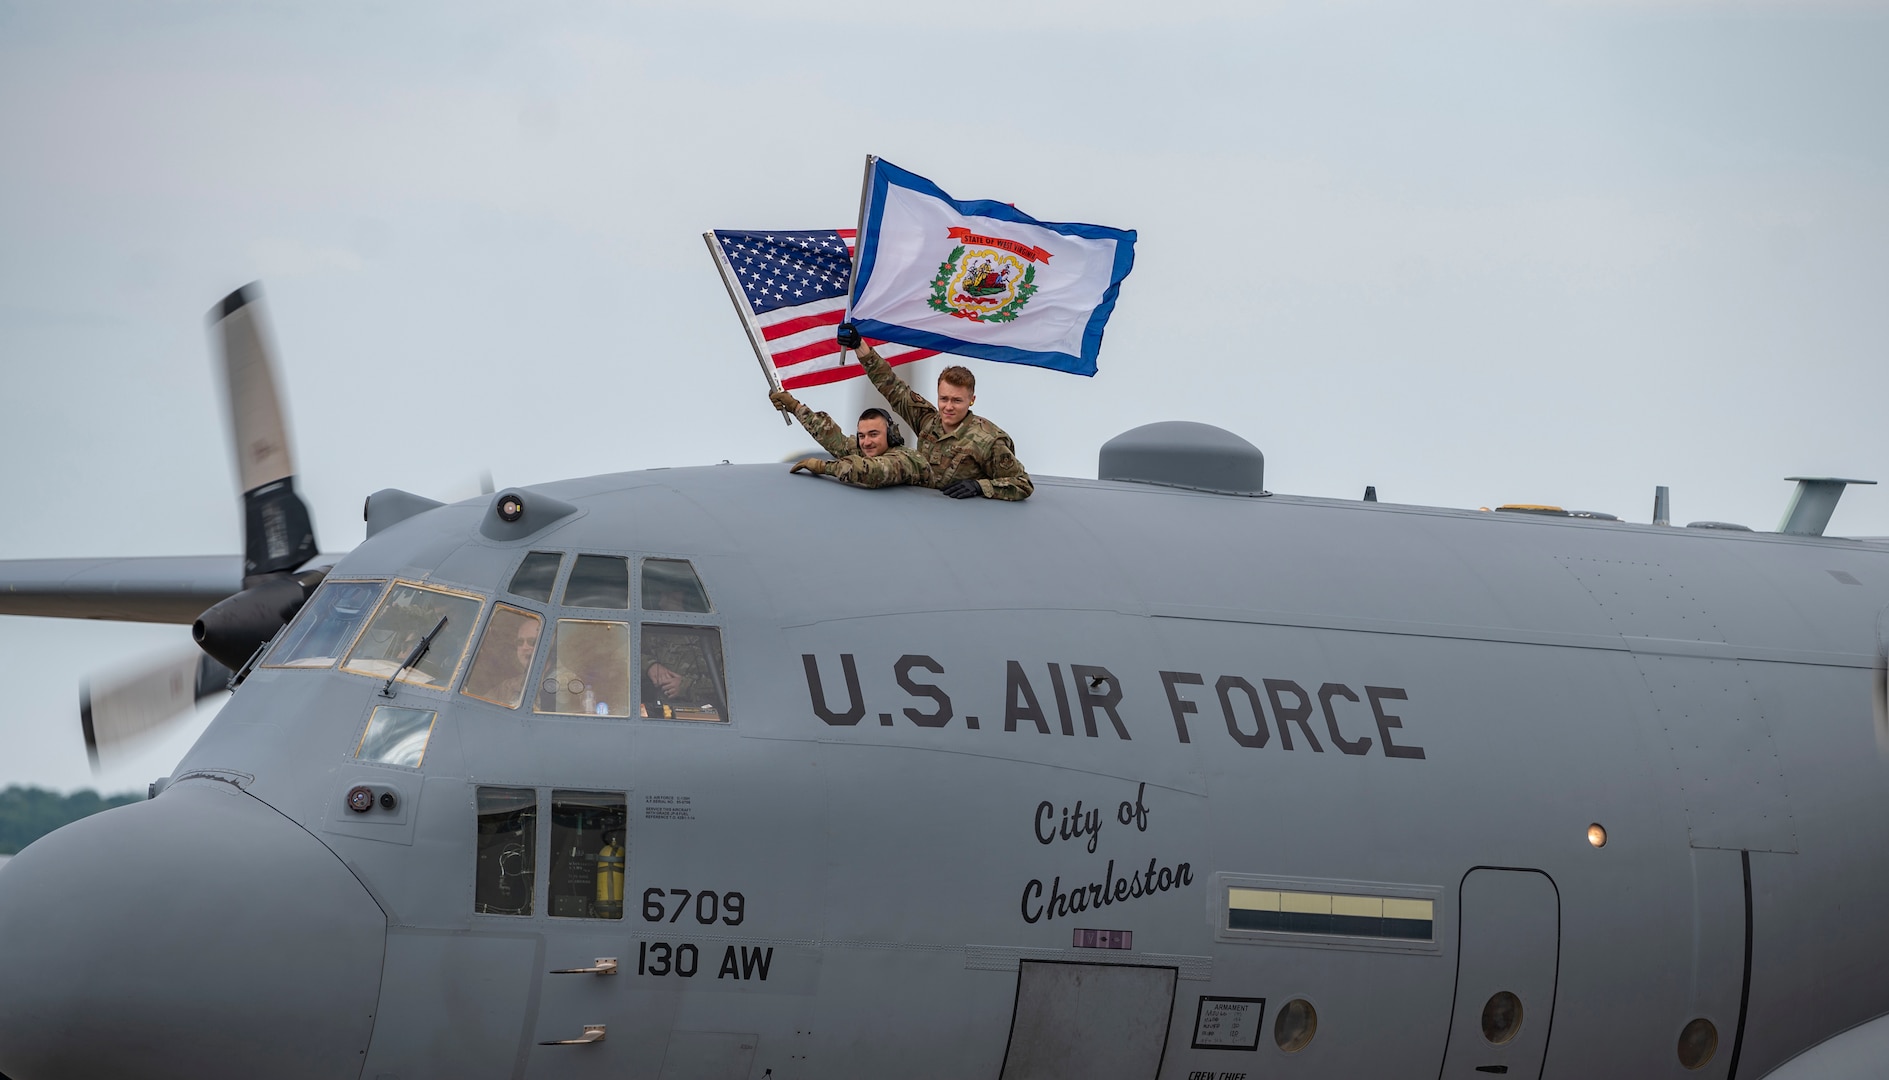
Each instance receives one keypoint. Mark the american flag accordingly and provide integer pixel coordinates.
(793, 287)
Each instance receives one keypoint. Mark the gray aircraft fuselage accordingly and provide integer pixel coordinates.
(970, 750)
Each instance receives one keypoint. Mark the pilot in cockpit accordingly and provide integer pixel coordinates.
(679, 664)
(511, 643)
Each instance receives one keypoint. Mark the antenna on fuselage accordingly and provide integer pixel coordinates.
(1662, 505)
(1813, 503)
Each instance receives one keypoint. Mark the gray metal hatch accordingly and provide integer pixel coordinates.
(1184, 454)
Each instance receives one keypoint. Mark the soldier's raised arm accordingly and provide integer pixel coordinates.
(905, 401)
(818, 424)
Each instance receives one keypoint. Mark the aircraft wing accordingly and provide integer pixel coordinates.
(154, 589)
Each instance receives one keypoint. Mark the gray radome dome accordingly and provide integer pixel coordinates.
(1184, 454)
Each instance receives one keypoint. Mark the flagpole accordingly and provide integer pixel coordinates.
(859, 245)
(859, 235)
(746, 315)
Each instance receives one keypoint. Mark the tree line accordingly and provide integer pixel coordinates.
(28, 813)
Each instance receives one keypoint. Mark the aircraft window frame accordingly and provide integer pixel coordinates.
(641, 708)
(1309, 891)
(546, 672)
(586, 899)
(1698, 1043)
(409, 730)
(642, 592)
(570, 576)
(504, 857)
(557, 576)
(407, 675)
(296, 624)
(478, 645)
(1295, 1025)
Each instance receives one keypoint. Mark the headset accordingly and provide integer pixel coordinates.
(894, 438)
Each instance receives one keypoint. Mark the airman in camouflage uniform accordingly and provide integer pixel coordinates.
(876, 457)
(676, 661)
(681, 664)
(971, 457)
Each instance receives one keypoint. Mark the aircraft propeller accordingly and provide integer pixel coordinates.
(278, 540)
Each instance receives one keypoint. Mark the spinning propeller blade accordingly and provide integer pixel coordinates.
(127, 705)
(277, 533)
(278, 539)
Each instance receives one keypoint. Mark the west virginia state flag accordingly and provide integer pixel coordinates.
(982, 278)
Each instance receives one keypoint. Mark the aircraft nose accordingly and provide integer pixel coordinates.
(200, 934)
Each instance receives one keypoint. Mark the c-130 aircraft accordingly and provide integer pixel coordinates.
(1153, 775)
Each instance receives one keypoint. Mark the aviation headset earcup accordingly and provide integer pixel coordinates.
(893, 436)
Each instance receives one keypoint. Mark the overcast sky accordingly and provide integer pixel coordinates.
(1469, 253)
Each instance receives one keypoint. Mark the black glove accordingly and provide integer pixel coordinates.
(963, 489)
(849, 336)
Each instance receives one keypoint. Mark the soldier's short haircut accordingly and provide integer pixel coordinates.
(894, 438)
(959, 375)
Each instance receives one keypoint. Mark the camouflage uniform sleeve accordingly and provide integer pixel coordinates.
(1006, 479)
(681, 655)
(825, 432)
(904, 400)
(890, 469)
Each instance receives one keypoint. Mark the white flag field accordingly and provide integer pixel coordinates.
(924, 274)
(981, 278)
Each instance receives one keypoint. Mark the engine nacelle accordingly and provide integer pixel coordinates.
(236, 626)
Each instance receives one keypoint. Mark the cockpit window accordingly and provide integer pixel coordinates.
(599, 581)
(396, 735)
(671, 585)
(408, 614)
(536, 575)
(588, 673)
(326, 625)
(504, 658)
(682, 673)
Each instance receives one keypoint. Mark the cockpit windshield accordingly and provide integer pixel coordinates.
(682, 673)
(536, 574)
(599, 581)
(505, 655)
(671, 585)
(588, 673)
(408, 614)
(566, 661)
(326, 625)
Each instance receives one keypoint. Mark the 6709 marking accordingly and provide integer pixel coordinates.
(729, 907)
